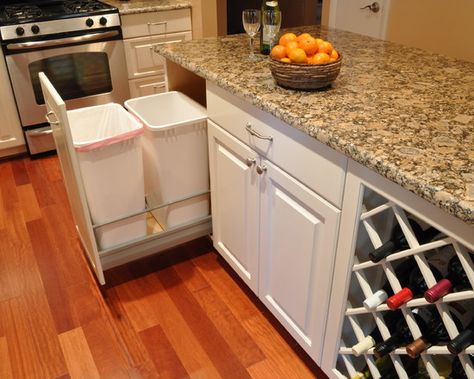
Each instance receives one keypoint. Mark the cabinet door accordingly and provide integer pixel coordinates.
(234, 199)
(142, 60)
(11, 134)
(298, 243)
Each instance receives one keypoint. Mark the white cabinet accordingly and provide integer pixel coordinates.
(142, 32)
(277, 233)
(11, 135)
(235, 203)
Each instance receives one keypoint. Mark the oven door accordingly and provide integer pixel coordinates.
(84, 75)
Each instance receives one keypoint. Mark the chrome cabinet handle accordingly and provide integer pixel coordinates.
(374, 7)
(249, 129)
(47, 116)
(261, 169)
(250, 161)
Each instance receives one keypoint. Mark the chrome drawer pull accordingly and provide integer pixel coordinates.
(248, 126)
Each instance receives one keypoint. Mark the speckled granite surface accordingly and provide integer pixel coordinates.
(143, 6)
(405, 113)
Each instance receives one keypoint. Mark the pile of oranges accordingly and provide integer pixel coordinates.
(303, 48)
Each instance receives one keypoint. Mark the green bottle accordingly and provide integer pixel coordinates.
(265, 43)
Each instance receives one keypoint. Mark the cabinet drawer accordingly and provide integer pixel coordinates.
(308, 160)
(142, 60)
(148, 86)
(144, 24)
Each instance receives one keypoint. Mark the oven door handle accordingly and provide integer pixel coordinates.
(62, 41)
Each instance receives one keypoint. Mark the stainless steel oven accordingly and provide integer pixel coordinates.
(82, 56)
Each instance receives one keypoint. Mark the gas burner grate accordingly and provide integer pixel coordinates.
(22, 12)
(83, 6)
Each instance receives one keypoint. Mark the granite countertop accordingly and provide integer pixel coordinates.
(402, 112)
(144, 6)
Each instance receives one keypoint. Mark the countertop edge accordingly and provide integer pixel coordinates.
(135, 7)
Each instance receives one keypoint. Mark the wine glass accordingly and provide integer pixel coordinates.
(251, 22)
(271, 20)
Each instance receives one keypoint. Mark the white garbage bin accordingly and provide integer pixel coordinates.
(175, 156)
(107, 142)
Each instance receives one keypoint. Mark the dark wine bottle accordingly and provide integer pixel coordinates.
(435, 330)
(400, 337)
(390, 320)
(457, 371)
(266, 43)
(416, 286)
(455, 279)
(462, 340)
(398, 242)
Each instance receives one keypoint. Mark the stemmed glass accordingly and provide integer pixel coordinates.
(251, 22)
(271, 20)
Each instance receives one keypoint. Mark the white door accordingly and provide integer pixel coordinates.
(298, 243)
(365, 17)
(234, 199)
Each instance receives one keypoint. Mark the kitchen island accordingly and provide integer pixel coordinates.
(304, 184)
(405, 113)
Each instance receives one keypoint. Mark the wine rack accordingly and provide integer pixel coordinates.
(377, 213)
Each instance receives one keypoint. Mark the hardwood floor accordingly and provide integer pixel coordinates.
(180, 314)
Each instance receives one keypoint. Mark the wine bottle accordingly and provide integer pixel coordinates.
(398, 242)
(390, 320)
(436, 334)
(387, 370)
(266, 43)
(457, 371)
(462, 340)
(434, 328)
(400, 337)
(416, 286)
(402, 272)
(455, 279)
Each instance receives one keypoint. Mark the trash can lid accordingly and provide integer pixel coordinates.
(166, 110)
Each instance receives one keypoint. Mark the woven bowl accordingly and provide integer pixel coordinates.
(305, 76)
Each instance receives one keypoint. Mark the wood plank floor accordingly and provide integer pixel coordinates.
(180, 314)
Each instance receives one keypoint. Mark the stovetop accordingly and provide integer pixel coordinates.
(13, 13)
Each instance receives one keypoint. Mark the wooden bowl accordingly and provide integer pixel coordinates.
(305, 76)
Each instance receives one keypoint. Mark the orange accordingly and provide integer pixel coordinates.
(325, 47)
(278, 52)
(334, 55)
(297, 55)
(287, 37)
(318, 41)
(320, 58)
(290, 46)
(309, 45)
(303, 36)
(286, 60)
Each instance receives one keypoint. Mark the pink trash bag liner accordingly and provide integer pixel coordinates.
(102, 125)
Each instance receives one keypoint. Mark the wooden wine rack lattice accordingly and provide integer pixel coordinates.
(356, 316)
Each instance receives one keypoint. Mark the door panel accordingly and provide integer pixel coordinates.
(348, 15)
(234, 191)
(298, 241)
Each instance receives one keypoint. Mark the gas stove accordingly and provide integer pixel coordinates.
(33, 19)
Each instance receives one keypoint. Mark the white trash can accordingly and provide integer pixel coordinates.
(107, 142)
(175, 156)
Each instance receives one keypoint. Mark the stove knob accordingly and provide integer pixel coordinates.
(20, 31)
(89, 22)
(35, 29)
(103, 21)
